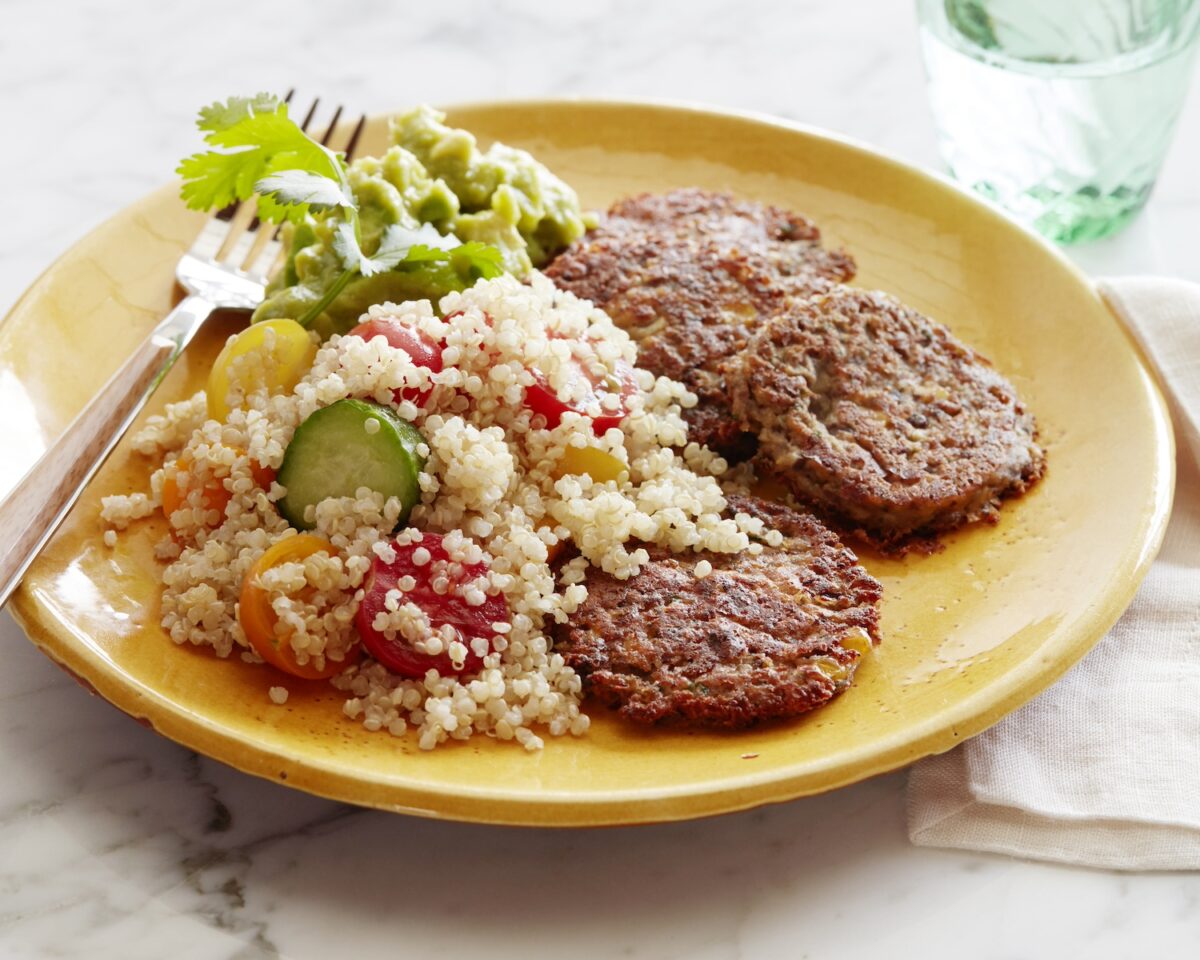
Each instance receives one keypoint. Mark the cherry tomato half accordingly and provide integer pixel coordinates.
(213, 494)
(278, 370)
(469, 622)
(541, 398)
(420, 348)
(598, 464)
(258, 619)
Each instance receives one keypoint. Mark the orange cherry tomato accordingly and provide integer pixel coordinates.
(213, 494)
(259, 621)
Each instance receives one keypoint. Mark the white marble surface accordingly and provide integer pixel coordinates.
(117, 843)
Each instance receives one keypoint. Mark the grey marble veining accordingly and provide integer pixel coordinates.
(117, 843)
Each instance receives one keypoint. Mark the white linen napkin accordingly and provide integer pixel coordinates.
(1103, 769)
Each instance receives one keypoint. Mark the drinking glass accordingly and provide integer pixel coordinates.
(1060, 110)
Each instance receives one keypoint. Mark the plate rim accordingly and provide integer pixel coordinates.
(935, 734)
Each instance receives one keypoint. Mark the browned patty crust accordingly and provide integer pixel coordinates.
(760, 638)
(880, 419)
(689, 274)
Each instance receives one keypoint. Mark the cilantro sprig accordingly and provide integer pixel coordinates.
(257, 149)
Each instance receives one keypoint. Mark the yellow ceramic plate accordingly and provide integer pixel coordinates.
(969, 634)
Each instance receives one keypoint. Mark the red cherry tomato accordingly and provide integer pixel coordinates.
(469, 622)
(420, 348)
(541, 398)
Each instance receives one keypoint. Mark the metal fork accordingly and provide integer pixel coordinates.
(226, 268)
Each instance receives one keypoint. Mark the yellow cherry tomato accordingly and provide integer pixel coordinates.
(258, 619)
(273, 354)
(596, 463)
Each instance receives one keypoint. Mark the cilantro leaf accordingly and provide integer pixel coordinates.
(398, 245)
(210, 181)
(474, 259)
(349, 251)
(221, 116)
(271, 212)
(426, 235)
(301, 187)
(256, 140)
(481, 260)
(401, 246)
(394, 247)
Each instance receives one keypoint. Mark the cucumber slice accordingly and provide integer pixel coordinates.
(335, 451)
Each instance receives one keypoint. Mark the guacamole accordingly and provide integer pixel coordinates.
(437, 175)
(498, 191)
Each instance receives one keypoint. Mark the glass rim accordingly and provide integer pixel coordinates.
(932, 14)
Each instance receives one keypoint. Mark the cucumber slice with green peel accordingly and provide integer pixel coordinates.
(347, 445)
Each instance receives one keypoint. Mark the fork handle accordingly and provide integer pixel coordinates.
(31, 513)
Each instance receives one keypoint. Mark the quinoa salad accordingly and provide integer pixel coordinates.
(496, 507)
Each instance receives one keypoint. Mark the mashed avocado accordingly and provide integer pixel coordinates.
(502, 193)
(437, 175)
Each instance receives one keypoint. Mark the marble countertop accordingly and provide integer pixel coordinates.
(117, 843)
